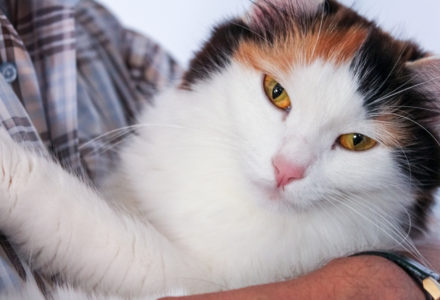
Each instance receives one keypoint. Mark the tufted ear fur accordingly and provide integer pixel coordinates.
(427, 75)
(427, 72)
(301, 7)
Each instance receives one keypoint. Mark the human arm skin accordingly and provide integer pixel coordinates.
(361, 277)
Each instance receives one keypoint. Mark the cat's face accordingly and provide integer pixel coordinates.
(296, 157)
(329, 110)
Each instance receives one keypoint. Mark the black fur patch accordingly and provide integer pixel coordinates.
(216, 53)
(225, 39)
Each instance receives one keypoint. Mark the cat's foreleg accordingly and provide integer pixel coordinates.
(63, 226)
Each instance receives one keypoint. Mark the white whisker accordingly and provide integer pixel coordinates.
(392, 94)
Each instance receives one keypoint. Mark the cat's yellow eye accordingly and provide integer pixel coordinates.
(356, 142)
(276, 93)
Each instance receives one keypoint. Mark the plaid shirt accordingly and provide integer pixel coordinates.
(69, 73)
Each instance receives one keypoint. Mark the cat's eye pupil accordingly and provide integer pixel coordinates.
(357, 139)
(277, 91)
(276, 94)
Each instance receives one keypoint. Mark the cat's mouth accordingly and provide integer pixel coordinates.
(292, 197)
(282, 197)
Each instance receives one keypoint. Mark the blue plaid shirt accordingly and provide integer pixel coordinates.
(69, 73)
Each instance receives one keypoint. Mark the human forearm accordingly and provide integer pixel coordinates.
(362, 277)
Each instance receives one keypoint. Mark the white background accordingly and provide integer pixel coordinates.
(181, 25)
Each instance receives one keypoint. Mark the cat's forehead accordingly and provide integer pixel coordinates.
(324, 100)
(296, 47)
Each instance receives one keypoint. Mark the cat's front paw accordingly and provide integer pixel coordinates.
(16, 166)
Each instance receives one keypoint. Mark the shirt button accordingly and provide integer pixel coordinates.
(9, 71)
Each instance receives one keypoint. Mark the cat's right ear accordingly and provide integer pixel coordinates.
(302, 6)
(260, 8)
(427, 73)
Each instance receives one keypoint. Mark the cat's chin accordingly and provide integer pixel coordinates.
(286, 200)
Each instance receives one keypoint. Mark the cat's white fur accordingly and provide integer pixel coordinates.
(194, 203)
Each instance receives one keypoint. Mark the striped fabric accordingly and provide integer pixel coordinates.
(69, 73)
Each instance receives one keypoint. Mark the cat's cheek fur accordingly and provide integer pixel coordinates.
(343, 178)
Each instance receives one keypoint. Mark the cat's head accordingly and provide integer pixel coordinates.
(330, 109)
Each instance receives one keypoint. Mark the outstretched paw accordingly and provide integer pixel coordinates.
(15, 169)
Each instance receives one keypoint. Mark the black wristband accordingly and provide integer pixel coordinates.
(427, 279)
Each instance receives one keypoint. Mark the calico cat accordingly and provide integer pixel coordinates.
(300, 133)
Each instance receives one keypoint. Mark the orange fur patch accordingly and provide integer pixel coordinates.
(299, 48)
(392, 130)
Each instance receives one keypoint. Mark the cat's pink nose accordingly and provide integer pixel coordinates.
(286, 171)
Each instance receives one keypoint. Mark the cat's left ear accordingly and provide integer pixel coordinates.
(427, 73)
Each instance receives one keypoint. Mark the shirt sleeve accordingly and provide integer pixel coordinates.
(151, 67)
(98, 79)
